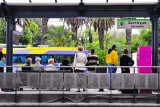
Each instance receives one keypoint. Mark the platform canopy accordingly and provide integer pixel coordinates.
(79, 8)
(11, 9)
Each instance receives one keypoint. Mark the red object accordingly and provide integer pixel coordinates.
(144, 59)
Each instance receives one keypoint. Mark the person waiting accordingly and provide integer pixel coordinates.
(20, 60)
(37, 66)
(112, 59)
(80, 59)
(92, 60)
(2, 59)
(50, 66)
(65, 62)
(125, 60)
(27, 63)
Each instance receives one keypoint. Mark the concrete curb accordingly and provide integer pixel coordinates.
(77, 105)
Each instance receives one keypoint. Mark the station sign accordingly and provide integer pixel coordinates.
(133, 23)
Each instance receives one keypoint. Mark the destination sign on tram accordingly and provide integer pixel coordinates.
(133, 24)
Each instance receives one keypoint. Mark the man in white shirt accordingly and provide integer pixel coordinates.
(37, 66)
(50, 65)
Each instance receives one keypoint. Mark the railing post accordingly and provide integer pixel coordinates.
(63, 100)
(39, 96)
(16, 86)
(110, 86)
(134, 92)
(87, 86)
(158, 96)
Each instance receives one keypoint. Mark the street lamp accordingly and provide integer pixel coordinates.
(80, 38)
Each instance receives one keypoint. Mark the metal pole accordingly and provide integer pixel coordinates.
(63, 98)
(9, 39)
(153, 70)
(152, 44)
(158, 96)
(134, 92)
(86, 87)
(39, 96)
(110, 86)
(16, 86)
(155, 41)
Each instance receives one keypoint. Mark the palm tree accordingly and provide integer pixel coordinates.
(128, 36)
(88, 32)
(102, 24)
(75, 24)
(44, 27)
(61, 40)
(2, 30)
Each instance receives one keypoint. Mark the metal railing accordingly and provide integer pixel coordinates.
(59, 81)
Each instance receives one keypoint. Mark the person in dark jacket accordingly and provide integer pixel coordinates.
(125, 60)
(65, 62)
(28, 63)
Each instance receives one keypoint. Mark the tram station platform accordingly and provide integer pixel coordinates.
(89, 98)
(49, 89)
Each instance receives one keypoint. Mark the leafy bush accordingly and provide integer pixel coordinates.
(27, 37)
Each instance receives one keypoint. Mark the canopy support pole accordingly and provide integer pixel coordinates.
(155, 43)
(9, 40)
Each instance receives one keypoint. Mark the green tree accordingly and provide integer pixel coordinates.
(2, 30)
(38, 37)
(136, 42)
(88, 32)
(146, 35)
(75, 24)
(102, 25)
(26, 39)
(33, 27)
(61, 40)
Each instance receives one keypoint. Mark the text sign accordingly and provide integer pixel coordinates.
(133, 24)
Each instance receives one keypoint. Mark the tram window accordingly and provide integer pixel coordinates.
(21, 59)
(69, 58)
(28, 57)
(15, 59)
(44, 59)
(58, 58)
(72, 58)
(51, 56)
(37, 56)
